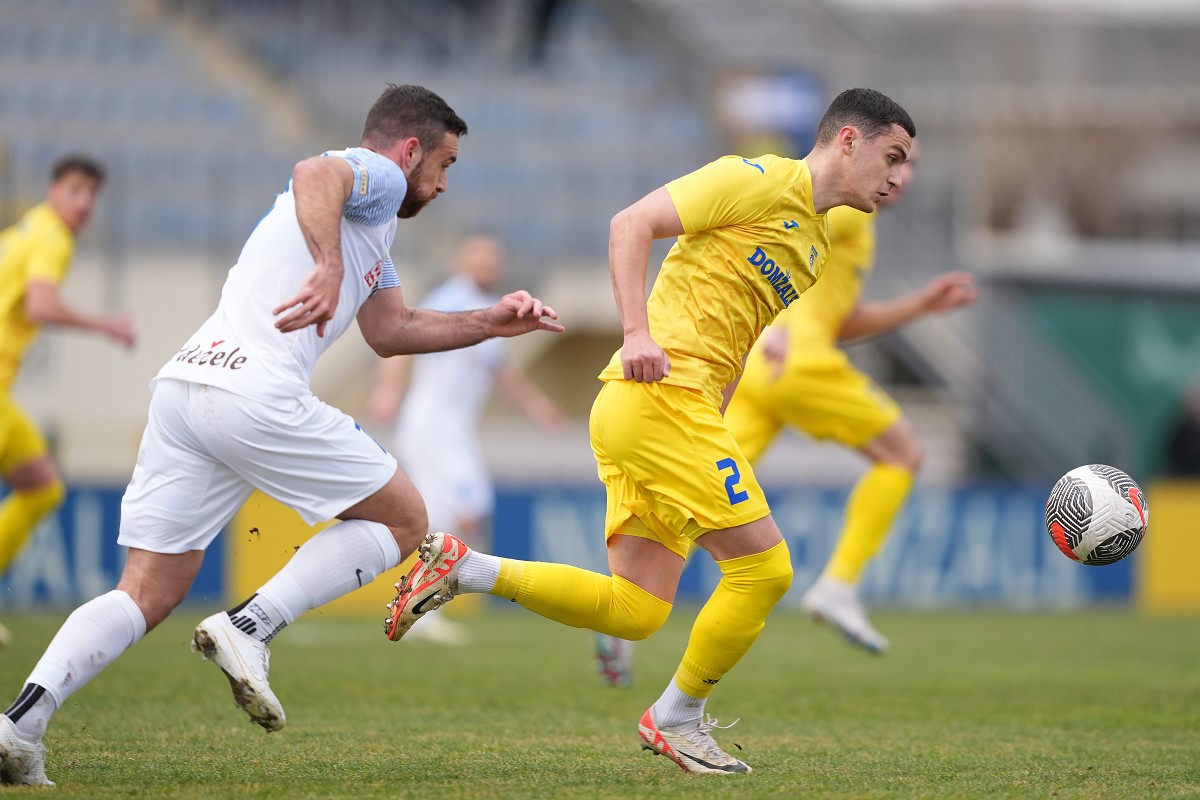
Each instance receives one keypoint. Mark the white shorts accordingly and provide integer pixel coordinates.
(206, 449)
(450, 473)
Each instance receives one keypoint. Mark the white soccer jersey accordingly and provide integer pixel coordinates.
(449, 389)
(238, 348)
(436, 440)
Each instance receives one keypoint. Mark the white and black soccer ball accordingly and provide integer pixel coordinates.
(1096, 514)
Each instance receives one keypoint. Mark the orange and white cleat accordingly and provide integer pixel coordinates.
(430, 584)
(692, 746)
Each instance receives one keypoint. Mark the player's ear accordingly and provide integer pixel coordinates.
(847, 139)
(410, 153)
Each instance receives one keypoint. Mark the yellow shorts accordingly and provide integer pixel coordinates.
(20, 440)
(672, 469)
(826, 398)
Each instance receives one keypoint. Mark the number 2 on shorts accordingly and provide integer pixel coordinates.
(731, 481)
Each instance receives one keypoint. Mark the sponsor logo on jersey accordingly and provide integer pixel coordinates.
(217, 354)
(779, 278)
(372, 275)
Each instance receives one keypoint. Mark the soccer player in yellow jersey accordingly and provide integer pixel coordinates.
(798, 375)
(35, 255)
(752, 237)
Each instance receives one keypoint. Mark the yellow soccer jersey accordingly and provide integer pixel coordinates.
(38, 247)
(815, 319)
(752, 243)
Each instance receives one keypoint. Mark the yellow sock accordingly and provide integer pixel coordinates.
(582, 599)
(733, 617)
(870, 512)
(20, 513)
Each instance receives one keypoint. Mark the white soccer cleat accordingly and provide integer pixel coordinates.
(437, 629)
(692, 746)
(430, 584)
(22, 762)
(614, 660)
(246, 663)
(837, 603)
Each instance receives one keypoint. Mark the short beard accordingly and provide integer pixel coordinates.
(413, 202)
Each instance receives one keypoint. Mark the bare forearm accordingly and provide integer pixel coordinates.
(321, 186)
(421, 330)
(628, 255)
(62, 315)
(879, 317)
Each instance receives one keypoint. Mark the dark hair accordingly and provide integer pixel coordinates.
(403, 111)
(88, 167)
(870, 111)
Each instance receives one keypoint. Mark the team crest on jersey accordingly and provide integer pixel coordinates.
(812, 257)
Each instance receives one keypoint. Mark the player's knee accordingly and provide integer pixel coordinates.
(768, 575)
(640, 613)
(45, 499)
(776, 573)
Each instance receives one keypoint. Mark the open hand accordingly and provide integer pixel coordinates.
(520, 312)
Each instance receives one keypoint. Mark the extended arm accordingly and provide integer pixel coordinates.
(393, 328)
(630, 235)
(321, 186)
(44, 305)
(391, 381)
(945, 292)
(529, 397)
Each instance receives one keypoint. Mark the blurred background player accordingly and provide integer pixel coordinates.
(435, 437)
(798, 375)
(35, 256)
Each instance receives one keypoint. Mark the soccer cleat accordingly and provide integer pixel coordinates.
(836, 603)
(22, 762)
(692, 746)
(430, 584)
(245, 662)
(614, 660)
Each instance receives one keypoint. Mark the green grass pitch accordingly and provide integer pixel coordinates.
(1101, 704)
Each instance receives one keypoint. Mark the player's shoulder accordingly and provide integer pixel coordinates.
(42, 224)
(847, 221)
(366, 159)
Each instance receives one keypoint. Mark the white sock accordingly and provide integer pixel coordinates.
(675, 708)
(478, 573)
(91, 638)
(259, 617)
(333, 563)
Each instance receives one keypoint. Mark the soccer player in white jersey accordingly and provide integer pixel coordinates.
(435, 401)
(232, 411)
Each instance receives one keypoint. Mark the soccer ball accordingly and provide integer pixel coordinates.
(1096, 514)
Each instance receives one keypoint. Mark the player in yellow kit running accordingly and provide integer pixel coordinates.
(797, 375)
(752, 237)
(35, 255)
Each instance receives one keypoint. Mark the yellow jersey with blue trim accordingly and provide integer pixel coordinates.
(38, 247)
(814, 321)
(752, 244)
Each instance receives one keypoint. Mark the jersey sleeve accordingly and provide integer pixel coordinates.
(388, 279)
(47, 257)
(378, 190)
(726, 192)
